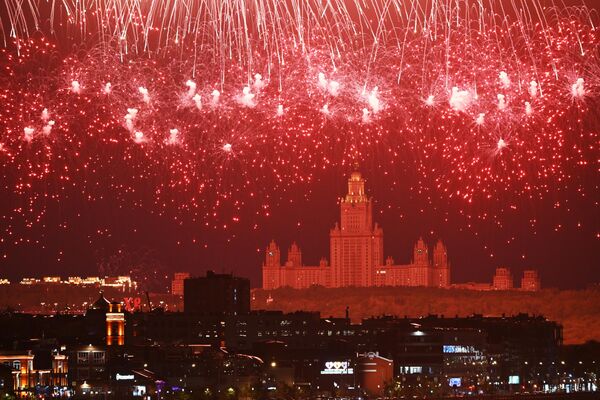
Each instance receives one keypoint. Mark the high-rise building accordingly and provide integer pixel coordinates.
(356, 254)
(503, 279)
(530, 281)
(216, 294)
(177, 282)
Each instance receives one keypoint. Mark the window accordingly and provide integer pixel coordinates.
(98, 357)
(17, 364)
(82, 357)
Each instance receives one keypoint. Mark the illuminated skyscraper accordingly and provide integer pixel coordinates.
(356, 254)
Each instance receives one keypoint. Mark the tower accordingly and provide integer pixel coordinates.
(271, 270)
(530, 281)
(441, 267)
(421, 253)
(272, 255)
(294, 258)
(503, 279)
(115, 324)
(356, 245)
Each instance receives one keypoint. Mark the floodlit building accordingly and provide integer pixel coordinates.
(177, 283)
(503, 279)
(356, 254)
(530, 281)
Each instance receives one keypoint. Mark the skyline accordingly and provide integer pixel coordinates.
(401, 228)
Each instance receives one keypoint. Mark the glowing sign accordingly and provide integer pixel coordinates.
(337, 368)
(458, 349)
(120, 377)
(454, 382)
(514, 380)
(132, 303)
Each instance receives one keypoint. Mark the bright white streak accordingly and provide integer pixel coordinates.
(198, 101)
(145, 94)
(28, 134)
(75, 87)
(247, 98)
(501, 102)
(504, 80)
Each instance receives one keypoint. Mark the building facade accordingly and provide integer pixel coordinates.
(177, 283)
(503, 279)
(530, 281)
(216, 295)
(356, 254)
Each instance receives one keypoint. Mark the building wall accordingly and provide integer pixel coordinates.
(177, 283)
(502, 280)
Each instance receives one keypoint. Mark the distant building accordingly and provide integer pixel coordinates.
(356, 254)
(105, 322)
(216, 294)
(27, 375)
(177, 283)
(503, 279)
(125, 283)
(374, 372)
(530, 281)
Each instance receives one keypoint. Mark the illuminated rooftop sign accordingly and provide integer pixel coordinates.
(120, 377)
(337, 368)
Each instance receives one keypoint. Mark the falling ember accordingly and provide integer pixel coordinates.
(504, 80)
(365, 116)
(533, 89)
(247, 98)
(129, 118)
(48, 128)
(107, 88)
(138, 137)
(45, 115)
(197, 101)
(215, 97)
(145, 94)
(191, 88)
(332, 87)
(501, 144)
(75, 87)
(259, 83)
(501, 102)
(280, 110)
(373, 100)
(430, 100)
(528, 109)
(174, 138)
(28, 134)
(460, 100)
(480, 119)
(578, 89)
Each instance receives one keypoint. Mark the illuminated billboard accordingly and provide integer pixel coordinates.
(337, 368)
(454, 382)
(514, 380)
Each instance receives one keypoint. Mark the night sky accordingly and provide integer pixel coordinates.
(192, 153)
